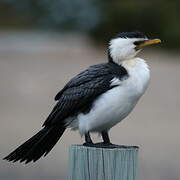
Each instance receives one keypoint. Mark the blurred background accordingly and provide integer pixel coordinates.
(43, 43)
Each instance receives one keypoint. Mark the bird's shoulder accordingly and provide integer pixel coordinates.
(80, 92)
(95, 75)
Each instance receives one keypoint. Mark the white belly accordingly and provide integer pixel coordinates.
(115, 104)
(108, 110)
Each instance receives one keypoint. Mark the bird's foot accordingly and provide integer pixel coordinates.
(107, 145)
(88, 144)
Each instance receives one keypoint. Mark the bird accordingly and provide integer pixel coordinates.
(96, 99)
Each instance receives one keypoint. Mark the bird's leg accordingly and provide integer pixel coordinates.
(105, 137)
(88, 140)
(106, 141)
(105, 144)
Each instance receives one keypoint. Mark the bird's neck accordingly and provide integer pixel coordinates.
(131, 61)
(135, 63)
(120, 60)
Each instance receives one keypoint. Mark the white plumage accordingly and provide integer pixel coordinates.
(114, 105)
(95, 100)
(123, 48)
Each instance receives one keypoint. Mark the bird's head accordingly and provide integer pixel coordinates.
(127, 44)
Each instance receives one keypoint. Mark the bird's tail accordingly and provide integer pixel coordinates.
(38, 145)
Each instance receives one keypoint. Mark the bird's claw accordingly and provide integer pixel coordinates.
(107, 145)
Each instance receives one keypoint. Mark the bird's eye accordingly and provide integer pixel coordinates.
(138, 42)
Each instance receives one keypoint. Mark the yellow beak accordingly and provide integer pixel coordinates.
(147, 43)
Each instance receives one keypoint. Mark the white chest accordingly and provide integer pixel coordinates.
(139, 76)
(114, 105)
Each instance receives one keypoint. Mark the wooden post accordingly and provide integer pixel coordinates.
(90, 163)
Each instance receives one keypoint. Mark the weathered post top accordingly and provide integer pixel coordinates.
(91, 163)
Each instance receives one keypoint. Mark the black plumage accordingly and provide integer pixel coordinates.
(77, 96)
(38, 145)
(135, 34)
(80, 92)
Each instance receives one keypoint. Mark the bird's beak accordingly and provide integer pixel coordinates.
(147, 43)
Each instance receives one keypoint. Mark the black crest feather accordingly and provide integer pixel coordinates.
(135, 34)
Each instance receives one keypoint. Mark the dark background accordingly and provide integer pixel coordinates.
(99, 19)
(43, 43)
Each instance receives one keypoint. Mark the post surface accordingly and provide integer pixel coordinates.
(90, 163)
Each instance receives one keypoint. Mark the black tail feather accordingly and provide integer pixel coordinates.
(38, 145)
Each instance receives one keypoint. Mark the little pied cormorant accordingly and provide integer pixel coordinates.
(96, 99)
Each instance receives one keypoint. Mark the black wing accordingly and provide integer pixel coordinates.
(80, 92)
(77, 96)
